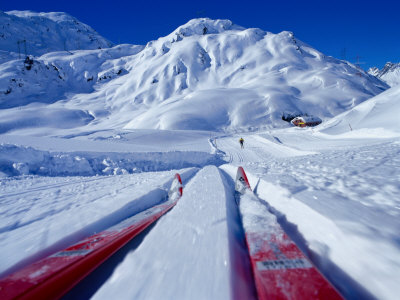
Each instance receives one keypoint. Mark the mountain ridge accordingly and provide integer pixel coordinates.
(40, 33)
(205, 75)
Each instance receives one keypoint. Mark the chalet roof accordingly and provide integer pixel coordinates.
(308, 119)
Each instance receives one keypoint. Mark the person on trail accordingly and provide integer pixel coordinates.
(241, 142)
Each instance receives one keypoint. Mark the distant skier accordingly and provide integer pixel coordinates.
(241, 142)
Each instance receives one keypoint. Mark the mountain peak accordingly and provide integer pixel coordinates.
(37, 33)
(390, 73)
(54, 16)
(373, 71)
(202, 26)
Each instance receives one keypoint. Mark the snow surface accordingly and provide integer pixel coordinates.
(336, 196)
(89, 153)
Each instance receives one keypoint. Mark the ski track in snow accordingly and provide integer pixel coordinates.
(352, 194)
(189, 249)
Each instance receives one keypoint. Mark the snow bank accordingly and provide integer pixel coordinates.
(17, 160)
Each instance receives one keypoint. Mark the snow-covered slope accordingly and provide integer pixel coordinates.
(52, 75)
(390, 73)
(340, 202)
(206, 75)
(46, 32)
(378, 115)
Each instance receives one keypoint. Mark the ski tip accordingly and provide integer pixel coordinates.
(242, 183)
(177, 176)
(180, 189)
(176, 189)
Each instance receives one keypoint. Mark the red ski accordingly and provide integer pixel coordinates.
(52, 277)
(280, 269)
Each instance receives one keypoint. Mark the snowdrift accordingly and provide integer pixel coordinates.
(18, 160)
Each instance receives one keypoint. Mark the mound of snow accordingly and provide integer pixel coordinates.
(17, 160)
(377, 116)
(46, 32)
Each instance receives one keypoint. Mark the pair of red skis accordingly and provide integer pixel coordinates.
(52, 277)
(280, 269)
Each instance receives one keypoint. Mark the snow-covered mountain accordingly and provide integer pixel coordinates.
(374, 71)
(390, 73)
(40, 33)
(205, 75)
(48, 78)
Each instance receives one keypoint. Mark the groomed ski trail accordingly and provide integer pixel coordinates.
(256, 149)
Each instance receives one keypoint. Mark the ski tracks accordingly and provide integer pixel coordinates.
(203, 230)
(253, 151)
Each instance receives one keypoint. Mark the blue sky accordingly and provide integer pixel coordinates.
(343, 29)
